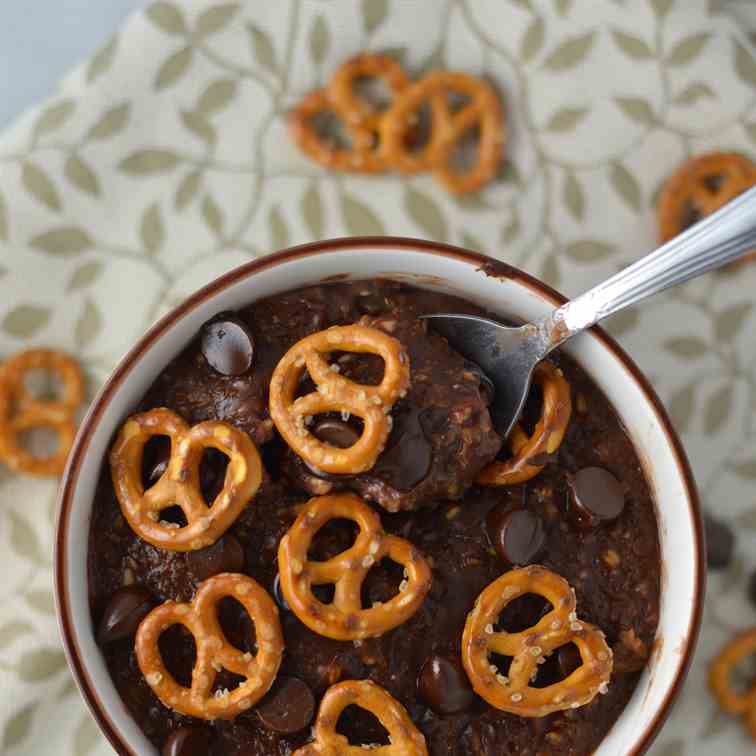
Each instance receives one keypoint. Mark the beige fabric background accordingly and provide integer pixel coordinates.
(164, 161)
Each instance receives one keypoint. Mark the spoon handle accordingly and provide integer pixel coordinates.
(717, 240)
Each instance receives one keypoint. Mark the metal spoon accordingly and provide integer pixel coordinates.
(509, 355)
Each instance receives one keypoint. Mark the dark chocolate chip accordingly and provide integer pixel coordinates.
(127, 607)
(225, 555)
(155, 459)
(371, 303)
(720, 542)
(188, 741)
(690, 216)
(713, 182)
(444, 686)
(596, 497)
(336, 432)
(569, 659)
(228, 346)
(408, 454)
(288, 708)
(517, 535)
(278, 593)
(487, 390)
(752, 588)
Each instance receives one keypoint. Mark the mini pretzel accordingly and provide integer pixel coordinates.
(701, 186)
(360, 118)
(344, 618)
(720, 679)
(512, 691)
(20, 411)
(547, 437)
(447, 129)
(338, 394)
(406, 739)
(180, 484)
(214, 652)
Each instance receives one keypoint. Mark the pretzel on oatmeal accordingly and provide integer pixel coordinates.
(344, 618)
(180, 483)
(447, 130)
(405, 738)
(214, 652)
(720, 681)
(338, 394)
(547, 436)
(359, 117)
(699, 187)
(21, 412)
(512, 691)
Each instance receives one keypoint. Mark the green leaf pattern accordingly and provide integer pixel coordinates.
(165, 160)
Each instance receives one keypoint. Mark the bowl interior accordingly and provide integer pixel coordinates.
(510, 297)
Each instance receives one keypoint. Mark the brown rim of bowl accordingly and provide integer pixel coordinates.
(377, 243)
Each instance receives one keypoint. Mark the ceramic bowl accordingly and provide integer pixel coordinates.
(503, 290)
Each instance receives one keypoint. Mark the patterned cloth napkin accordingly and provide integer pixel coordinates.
(164, 161)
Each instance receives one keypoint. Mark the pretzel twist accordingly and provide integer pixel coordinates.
(21, 412)
(547, 436)
(720, 679)
(406, 739)
(702, 185)
(360, 117)
(447, 130)
(344, 618)
(512, 692)
(214, 652)
(338, 394)
(180, 483)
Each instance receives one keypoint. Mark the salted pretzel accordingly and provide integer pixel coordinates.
(701, 186)
(338, 394)
(20, 411)
(720, 682)
(180, 483)
(359, 117)
(447, 129)
(511, 691)
(214, 652)
(405, 738)
(344, 618)
(546, 438)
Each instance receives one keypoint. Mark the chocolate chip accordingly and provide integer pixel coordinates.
(720, 542)
(371, 303)
(336, 432)
(225, 555)
(713, 182)
(188, 741)
(517, 535)
(569, 659)
(227, 345)
(278, 593)
(288, 708)
(127, 607)
(752, 588)
(690, 216)
(157, 452)
(444, 686)
(487, 390)
(408, 454)
(596, 497)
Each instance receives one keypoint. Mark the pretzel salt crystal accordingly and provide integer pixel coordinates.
(547, 436)
(20, 411)
(512, 691)
(405, 738)
(338, 394)
(214, 652)
(344, 618)
(180, 483)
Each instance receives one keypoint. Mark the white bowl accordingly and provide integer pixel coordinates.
(501, 289)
